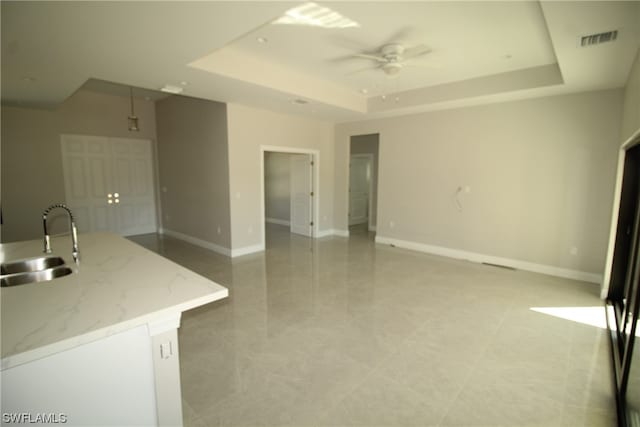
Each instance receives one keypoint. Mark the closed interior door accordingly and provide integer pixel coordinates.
(359, 188)
(301, 198)
(87, 175)
(133, 182)
(109, 183)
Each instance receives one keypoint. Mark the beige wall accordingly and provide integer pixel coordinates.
(541, 175)
(193, 168)
(368, 144)
(631, 110)
(277, 186)
(32, 175)
(249, 128)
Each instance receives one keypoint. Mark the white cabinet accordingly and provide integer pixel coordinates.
(104, 382)
(109, 183)
(125, 379)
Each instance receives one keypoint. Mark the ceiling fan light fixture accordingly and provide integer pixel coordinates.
(391, 58)
(392, 49)
(392, 68)
(314, 15)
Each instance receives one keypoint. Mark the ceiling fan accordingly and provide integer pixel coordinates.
(391, 58)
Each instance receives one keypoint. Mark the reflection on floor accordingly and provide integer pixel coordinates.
(361, 230)
(343, 332)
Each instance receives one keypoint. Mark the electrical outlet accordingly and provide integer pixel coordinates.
(392, 224)
(250, 230)
(573, 251)
(219, 230)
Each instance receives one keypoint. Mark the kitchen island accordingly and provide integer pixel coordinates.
(98, 346)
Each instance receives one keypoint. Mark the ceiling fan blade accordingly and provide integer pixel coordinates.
(339, 59)
(415, 51)
(369, 56)
(399, 36)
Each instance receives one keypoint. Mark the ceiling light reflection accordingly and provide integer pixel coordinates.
(314, 15)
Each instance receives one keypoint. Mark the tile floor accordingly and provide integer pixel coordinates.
(343, 332)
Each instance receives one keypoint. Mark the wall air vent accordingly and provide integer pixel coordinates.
(594, 39)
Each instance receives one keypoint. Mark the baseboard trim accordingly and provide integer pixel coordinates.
(198, 242)
(480, 258)
(332, 232)
(278, 221)
(246, 250)
(372, 228)
(324, 233)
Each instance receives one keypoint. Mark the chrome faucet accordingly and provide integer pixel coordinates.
(74, 231)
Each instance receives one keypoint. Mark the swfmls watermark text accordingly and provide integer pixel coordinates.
(39, 418)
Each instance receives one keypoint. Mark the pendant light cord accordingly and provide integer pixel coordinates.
(133, 114)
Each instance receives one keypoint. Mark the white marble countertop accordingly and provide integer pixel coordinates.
(118, 285)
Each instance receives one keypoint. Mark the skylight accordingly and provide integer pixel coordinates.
(314, 15)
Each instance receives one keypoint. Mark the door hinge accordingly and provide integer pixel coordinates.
(311, 162)
(312, 194)
(311, 223)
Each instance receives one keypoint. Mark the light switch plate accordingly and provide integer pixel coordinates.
(166, 350)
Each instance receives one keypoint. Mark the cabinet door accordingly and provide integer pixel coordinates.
(87, 176)
(135, 212)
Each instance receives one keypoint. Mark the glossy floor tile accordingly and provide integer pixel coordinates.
(344, 332)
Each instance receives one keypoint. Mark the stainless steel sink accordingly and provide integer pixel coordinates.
(30, 264)
(31, 270)
(34, 276)
(44, 268)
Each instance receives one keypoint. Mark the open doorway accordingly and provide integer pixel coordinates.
(289, 193)
(363, 184)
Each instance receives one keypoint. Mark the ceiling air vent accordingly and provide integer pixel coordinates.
(594, 39)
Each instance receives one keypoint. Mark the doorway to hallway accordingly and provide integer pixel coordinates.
(363, 183)
(289, 191)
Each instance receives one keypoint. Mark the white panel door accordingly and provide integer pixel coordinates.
(133, 183)
(87, 176)
(359, 187)
(109, 183)
(301, 198)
